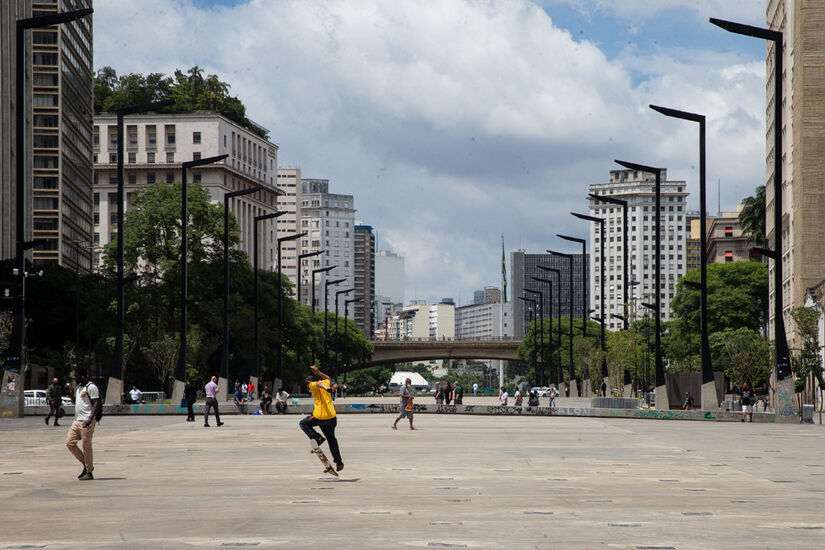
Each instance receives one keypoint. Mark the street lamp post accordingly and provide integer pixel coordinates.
(346, 335)
(14, 360)
(319, 270)
(337, 294)
(709, 395)
(782, 353)
(301, 258)
(256, 294)
(549, 284)
(540, 311)
(570, 307)
(655, 309)
(662, 400)
(224, 372)
(558, 316)
(180, 371)
(533, 315)
(625, 245)
(280, 301)
(583, 242)
(114, 388)
(328, 284)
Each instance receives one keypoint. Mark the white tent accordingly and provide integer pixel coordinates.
(418, 381)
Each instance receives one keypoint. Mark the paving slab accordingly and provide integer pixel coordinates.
(458, 481)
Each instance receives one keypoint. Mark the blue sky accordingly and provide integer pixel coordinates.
(454, 121)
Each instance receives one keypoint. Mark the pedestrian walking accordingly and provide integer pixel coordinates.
(439, 394)
(604, 389)
(502, 396)
(475, 389)
(448, 393)
(323, 414)
(54, 397)
(554, 393)
(747, 398)
(86, 406)
(405, 406)
(458, 392)
(517, 398)
(689, 401)
(211, 390)
(190, 393)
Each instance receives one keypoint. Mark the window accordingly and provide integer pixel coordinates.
(150, 177)
(97, 199)
(728, 255)
(97, 218)
(170, 177)
(113, 218)
(196, 137)
(170, 135)
(132, 158)
(112, 158)
(196, 178)
(132, 179)
(170, 158)
(728, 231)
(95, 159)
(113, 178)
(196, 155)
(151, 136)
(150, 157)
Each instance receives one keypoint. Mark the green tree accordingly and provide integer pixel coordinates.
(752, 217)
(807, 365)
(744, 354)
(624, 354)
(587, 353)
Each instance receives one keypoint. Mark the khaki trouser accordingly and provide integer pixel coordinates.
(78, 433)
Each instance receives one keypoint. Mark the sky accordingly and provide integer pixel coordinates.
(454, 122)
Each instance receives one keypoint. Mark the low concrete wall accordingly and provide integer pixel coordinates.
(392, 408)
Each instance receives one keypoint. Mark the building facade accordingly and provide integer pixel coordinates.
(422, 321)
(288, 182)
(364, 258)
(803, 154)
(484, 321)
(155, 147)
(389, 276)
(524, 266)
(329, 220)
(58, 134)
(638, 188)
(726, 243)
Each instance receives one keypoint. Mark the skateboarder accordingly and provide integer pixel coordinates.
(323, 415)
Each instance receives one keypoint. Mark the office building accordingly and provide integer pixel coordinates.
(490, 295)
(523, 267)
(693, 244)
(638, 188)
(422, 321)
(155, 147)
(329, 220)
(363, 311)
(484, 321)
(803, 155)
(58, 134)
(389, 276)
(726, 243)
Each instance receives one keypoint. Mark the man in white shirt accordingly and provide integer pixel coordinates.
(136, 395)
(86, 405)
(280, 401)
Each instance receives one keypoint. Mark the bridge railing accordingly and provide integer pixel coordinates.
(446, 339)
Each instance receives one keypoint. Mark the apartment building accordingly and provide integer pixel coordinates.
(288, 182)
(725, 241)
(364, 258)
(638, 188)
(329, 220)
(154, 148)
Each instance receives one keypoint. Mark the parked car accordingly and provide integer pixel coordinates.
(37, 398)
(543, 391)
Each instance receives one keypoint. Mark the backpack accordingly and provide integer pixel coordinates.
(99, 413)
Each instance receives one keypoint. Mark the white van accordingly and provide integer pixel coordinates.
(37, 398)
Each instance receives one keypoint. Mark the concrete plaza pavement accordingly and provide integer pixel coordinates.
(457, 482)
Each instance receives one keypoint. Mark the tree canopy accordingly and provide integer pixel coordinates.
(192, 92)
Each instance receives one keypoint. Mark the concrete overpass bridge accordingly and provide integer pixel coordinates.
(405, 351)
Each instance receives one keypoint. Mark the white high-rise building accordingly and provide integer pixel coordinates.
(289, 183)
(389, 276)
(638, 188)
(329, 220)
(154, 148)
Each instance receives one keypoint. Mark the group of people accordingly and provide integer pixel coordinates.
(449, 393)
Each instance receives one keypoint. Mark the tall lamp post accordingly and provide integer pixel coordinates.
(532, 301)
(180, 371)
(582, 242)
(346, 335)
(319, 270)
(337, 294)
(280, 301)
(658, 374)
(14, 360)
(114, 387)
(570, 307)
(301, 258)
(783, 370)
(558, 317)
(625, 246)
(256, 294)
(549, 284)
(709, 396)
(540, 312)
(328, 284)
(662, 400)
(224, 373)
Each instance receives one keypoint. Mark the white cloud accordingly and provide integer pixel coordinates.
(452, 121)
(744, 11)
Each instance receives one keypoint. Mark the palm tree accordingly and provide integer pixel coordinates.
(752, 218)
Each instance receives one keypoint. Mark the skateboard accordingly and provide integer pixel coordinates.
(328, 468)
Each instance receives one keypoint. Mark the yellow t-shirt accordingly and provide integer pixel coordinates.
(324, 409)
